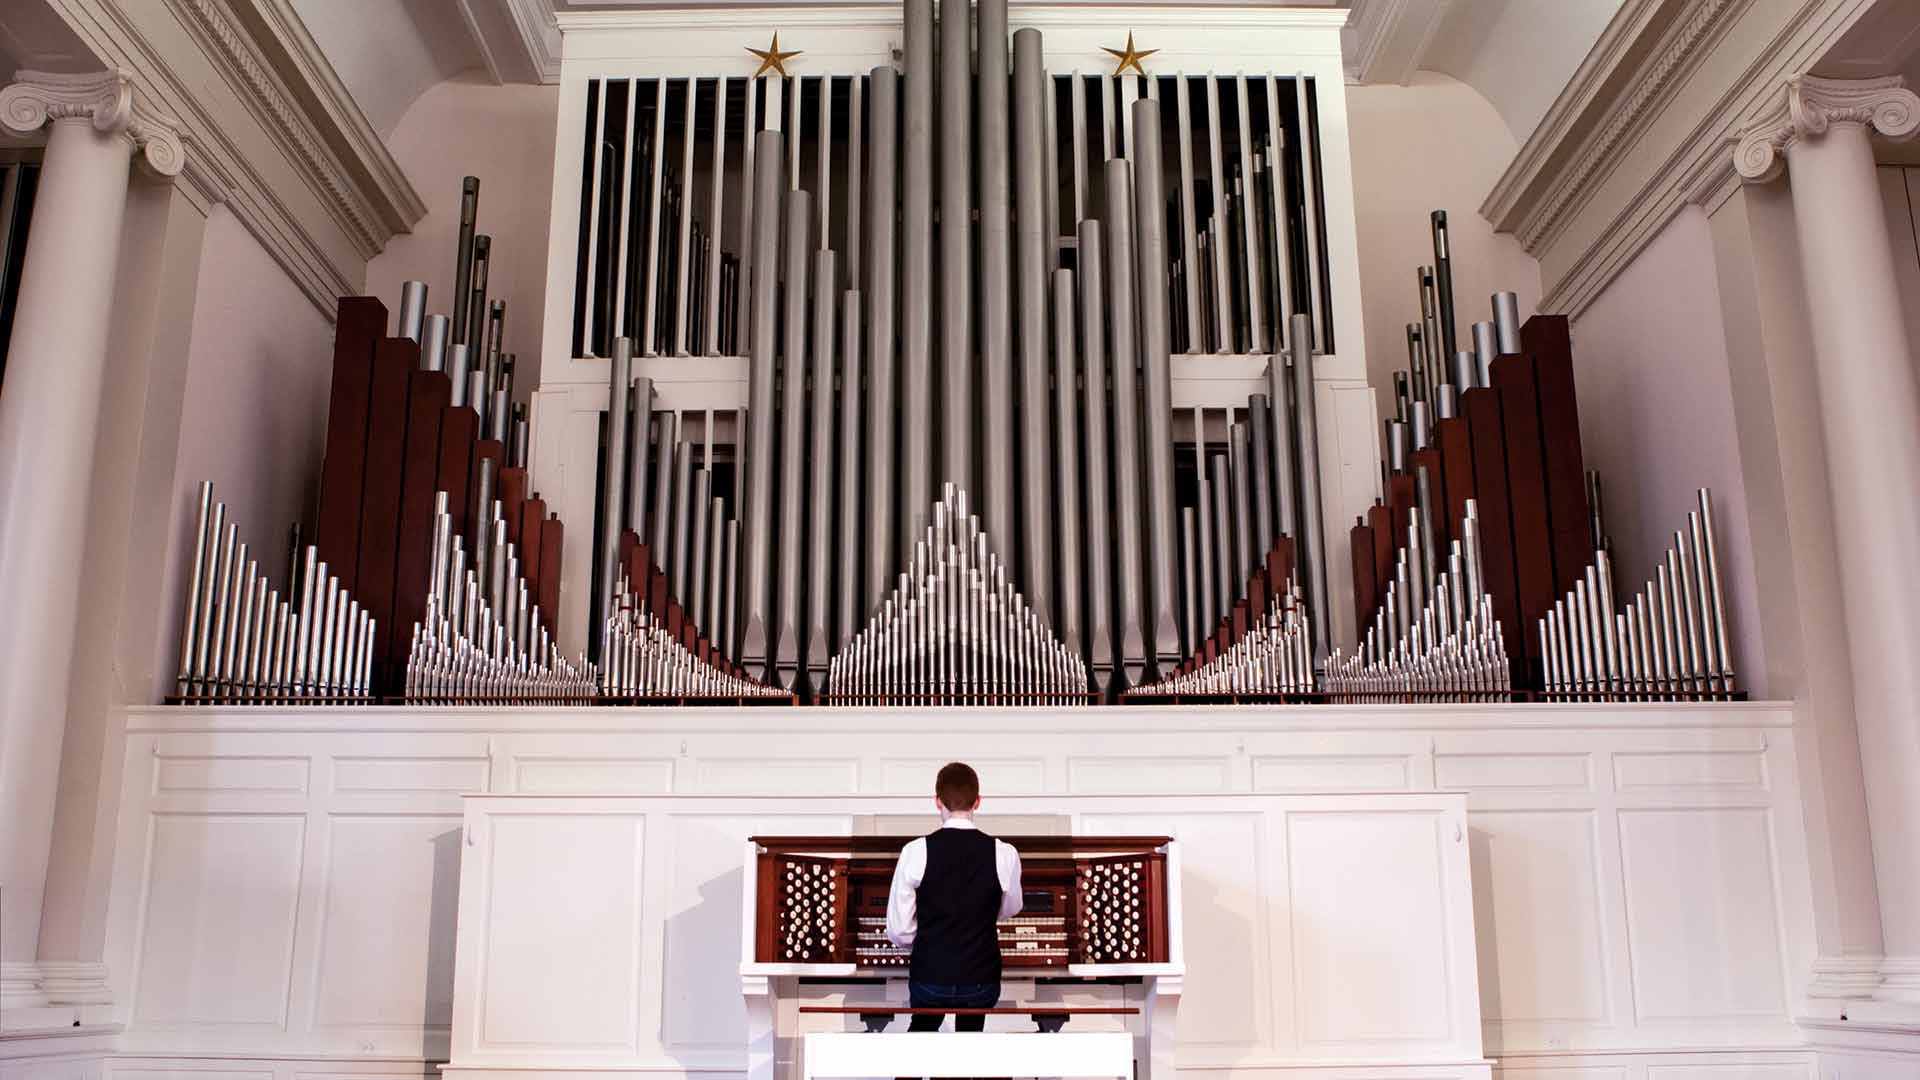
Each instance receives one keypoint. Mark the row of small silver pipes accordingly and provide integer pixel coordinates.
(1434, 633)
(483, 636)
(1264, 487)
(638, 658)
(1274, 657)
(688, 526)
(242, 642)
(955, 630)
(1669, 641)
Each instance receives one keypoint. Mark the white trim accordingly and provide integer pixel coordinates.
(391, 196)
(1658, 94)
(1387, 40)
(281, 150)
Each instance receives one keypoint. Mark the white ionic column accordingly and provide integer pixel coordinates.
(1870, 412)
(49, 412)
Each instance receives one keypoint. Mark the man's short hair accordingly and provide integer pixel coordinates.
(957, 787)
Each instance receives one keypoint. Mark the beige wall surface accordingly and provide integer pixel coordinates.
(503, 135)
(1656, 418)
(254, 421)
(1433, 145)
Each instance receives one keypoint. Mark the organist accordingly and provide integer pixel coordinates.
(951, 890)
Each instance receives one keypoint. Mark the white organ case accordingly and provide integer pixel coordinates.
(618, 934)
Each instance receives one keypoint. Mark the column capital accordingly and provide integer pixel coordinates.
(107, 98)
(1809, 104)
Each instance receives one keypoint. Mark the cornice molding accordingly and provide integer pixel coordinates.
(1389, 38)
(262, 93)
(539, 36)
(384, 186)
(1625, 116)
(107, 100)
(1040, 15)
(1641, 98)
(1809, 105)
(309, 181)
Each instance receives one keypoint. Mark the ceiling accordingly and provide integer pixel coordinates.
(1519, 54)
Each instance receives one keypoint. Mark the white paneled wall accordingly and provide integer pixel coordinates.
(285, 880)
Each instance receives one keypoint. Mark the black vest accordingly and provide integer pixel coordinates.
(958, 942)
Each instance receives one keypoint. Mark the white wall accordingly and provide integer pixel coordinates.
(503, 135)
(1433, 145)
(254, 421)
(1656, 418)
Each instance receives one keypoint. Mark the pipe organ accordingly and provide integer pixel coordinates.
(1483, 567)
(1090, 901)
(968, 277)
(962, 381)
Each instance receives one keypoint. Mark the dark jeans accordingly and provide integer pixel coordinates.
(922, 995)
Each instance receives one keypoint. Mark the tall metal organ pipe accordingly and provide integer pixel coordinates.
(956, 244)
(996, 279)
(1031, 243)
(756, 626)
(1101, 658)
(882, 404)
(787, 615)
(1128, 481)
(1150, 199)
(916, 279)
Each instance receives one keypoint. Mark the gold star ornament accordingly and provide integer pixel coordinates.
(771, 58)
(1131, 57)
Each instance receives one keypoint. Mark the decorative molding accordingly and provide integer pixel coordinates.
(1844, 977)
(107, 100)
(1386, 40)
(1899, 980)
(1642, 131)
(20, 986)
(1651, 86)
(262, 91)
(276, 144)
(384, 188)
(539, 36)
(1041, 16)
(1809, 105)
(75, 982)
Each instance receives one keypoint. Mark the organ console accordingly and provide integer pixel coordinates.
(1090, 902)
(1100, 926)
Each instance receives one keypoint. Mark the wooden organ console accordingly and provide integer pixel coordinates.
(1099, 927)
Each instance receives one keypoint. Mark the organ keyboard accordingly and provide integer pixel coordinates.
(1099, 926)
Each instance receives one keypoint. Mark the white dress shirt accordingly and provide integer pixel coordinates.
(903, 899)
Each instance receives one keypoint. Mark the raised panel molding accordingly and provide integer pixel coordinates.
(574, 978)
(1590, 896)
(1331, 772)
(1699, 956)
(1117, 774)
(218, 931)
(585, 775)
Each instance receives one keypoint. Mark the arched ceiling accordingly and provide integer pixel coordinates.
(389, 52)
(1519, 54)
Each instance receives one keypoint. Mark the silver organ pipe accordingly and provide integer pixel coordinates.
(1669, 641)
